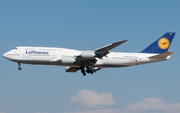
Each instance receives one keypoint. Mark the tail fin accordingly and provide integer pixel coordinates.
(161, 45)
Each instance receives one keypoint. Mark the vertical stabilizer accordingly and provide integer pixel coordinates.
(161, 45)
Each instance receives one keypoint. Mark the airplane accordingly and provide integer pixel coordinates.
(94, 60)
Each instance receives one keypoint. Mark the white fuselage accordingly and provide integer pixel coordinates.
(53, 56)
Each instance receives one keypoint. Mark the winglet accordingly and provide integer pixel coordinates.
(162, 55)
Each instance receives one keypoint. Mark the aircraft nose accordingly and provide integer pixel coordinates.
(7, 55)
(4, 55)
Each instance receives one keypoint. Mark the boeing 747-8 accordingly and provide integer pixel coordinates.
(91, 61)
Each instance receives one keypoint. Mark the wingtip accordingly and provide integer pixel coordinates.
(121, 41)
(125, 40)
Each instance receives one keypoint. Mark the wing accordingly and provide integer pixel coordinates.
(111, 46)
(89, 57)
(105, 50)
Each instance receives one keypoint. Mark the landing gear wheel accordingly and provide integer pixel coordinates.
(19, 68)
(89, 70)
(84, 74)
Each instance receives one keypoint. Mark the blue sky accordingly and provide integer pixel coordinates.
(88, 25)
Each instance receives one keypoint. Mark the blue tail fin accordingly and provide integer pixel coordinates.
(161, 45)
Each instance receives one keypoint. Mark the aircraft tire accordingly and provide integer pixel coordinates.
(19, 68)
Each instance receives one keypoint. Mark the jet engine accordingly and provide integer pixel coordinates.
(68, 60)
(88, 54)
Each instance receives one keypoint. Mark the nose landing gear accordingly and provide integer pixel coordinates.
(19, 68)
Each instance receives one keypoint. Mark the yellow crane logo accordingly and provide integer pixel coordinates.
(163, 43)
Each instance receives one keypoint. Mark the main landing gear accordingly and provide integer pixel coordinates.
(19, 68)
(83, 71)
(88, 70)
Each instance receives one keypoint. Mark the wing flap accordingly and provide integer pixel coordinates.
(162, 55)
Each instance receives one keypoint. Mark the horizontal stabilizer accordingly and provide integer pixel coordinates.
(162, 55)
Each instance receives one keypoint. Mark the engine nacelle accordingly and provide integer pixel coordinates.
(87, 54)
(68, 60)
(71, 69)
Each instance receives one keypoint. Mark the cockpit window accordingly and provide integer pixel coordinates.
(15, 48)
